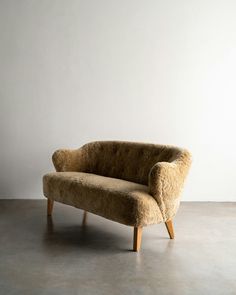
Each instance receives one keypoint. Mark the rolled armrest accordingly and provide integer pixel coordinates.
(68, 160)
(166, 182)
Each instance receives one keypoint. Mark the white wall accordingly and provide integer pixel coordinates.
(155, 71)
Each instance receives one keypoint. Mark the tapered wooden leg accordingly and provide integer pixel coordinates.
(50, 207)
(170, 229)
(84, 218)
(137, 238)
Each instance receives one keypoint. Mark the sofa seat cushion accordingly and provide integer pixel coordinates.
(119, 200)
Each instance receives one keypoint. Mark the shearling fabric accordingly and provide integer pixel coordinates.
(116, 199)
(159, 169)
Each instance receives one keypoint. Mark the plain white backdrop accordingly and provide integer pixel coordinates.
(154, 71)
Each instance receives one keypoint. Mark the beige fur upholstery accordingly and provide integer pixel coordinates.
(119, 200)
(132, 183)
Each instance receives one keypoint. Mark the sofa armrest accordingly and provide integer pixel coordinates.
(68, 160)
(166, 181)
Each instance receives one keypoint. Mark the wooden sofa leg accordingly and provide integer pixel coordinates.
(170, 229)
(137, 238)
(84, 218)
(50, 207)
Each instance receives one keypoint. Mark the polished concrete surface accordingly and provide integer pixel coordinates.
(60, 256)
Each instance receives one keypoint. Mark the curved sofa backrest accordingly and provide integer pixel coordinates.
(126, 160)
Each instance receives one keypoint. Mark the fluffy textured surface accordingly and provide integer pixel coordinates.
(141, 183)
(119, 200)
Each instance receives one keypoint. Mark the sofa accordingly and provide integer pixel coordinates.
(135, 184)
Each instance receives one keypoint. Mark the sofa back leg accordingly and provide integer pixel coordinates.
(137, 238)
(84, 218)
(50, 207)
(170, 228)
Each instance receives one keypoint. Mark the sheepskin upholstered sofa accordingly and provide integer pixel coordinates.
(136, 184)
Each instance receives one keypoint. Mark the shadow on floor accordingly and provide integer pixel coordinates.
(85, 236)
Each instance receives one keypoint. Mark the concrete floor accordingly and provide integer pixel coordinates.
(60, 256)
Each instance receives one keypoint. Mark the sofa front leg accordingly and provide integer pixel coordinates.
(50, 207)
(137, 238)
(170, 228)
